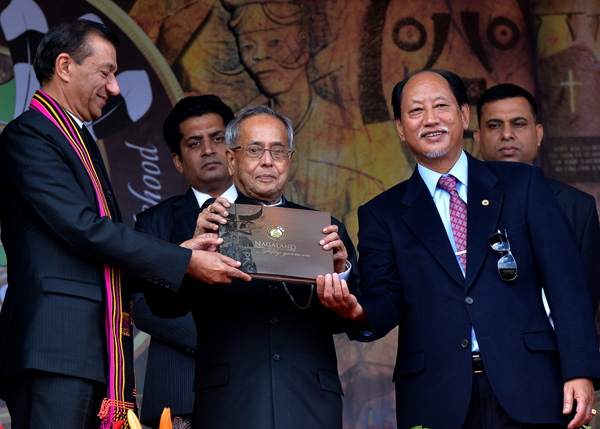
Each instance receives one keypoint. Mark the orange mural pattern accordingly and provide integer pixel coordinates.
(330, 67)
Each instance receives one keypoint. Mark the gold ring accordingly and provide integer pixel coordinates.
(209, 208)
(594, 411)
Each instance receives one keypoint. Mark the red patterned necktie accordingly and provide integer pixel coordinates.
(458, 218)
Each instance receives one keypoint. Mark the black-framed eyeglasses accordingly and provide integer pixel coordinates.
(256, 151)
(507, 265)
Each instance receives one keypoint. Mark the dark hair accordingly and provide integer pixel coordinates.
(192, 107)
(232, 132)
(72, 38)
(502, 92)
(454, 81)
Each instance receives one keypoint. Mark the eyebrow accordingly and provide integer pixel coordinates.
(110, 66)
(516, 118)
(436, 98)
(262, 143)
(199, 136)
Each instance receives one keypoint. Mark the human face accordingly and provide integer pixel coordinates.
(92, 81)
(431, 121)
(508, 131)
(262, 179)
(274, 55)
(203, 160)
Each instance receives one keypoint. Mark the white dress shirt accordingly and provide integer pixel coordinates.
(230, 194)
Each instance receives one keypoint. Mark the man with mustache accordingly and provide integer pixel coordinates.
(195, 134)
(509, 131)
(456, 257)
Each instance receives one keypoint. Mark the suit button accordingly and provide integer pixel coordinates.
(108, 192)
(273, 287)
(464, 344)
(276, 357)
(469, 300)
(149, 278)
(167, 285)
(274, 320)
(155, 280)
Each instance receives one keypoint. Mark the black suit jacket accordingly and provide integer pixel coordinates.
(56, 244)
(169, 373)
(261, 362)
(582, 213)
(412, 280)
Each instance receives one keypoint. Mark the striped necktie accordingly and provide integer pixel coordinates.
(458, 218)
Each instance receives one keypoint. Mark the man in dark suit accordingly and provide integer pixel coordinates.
(65, 325)
(268, 358)
(195, 134)
(509, 131)
(475, 346)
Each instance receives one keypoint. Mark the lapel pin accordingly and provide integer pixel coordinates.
(485, 202)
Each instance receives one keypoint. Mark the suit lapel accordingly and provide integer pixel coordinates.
(185, 214)
(483, 212)
(424, 220)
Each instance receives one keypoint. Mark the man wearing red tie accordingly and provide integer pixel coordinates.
(475, 346)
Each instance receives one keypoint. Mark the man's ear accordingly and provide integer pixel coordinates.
(476, 137)
(539, 130)
(63, 67)
(177, 162)
(230, 162)
(400, 129)
(465, 114)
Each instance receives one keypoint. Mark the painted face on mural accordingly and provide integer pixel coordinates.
(262, 179)
(274, 54)
(508, 131)
(432, 123)
(203, 159)
(92, 81)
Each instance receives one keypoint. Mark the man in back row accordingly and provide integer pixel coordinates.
(195, 134)
(509, 131)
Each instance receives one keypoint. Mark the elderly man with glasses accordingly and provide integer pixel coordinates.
(268, 358)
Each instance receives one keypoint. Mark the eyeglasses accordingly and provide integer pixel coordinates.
(507, 266)
(257, 151)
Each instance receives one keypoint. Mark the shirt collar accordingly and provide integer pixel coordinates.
(230, 194)
(274, 205)
(458, 170)
(76, 119)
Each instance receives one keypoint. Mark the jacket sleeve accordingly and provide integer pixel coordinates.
(162, 302)
(354, 275)
(379, 277)
(53, 188)
(590, 252)
(178, 332)
(561, 272)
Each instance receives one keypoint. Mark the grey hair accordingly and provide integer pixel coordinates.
(232, 132)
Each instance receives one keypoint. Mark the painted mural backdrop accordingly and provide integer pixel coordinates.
(330, 66)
